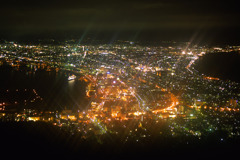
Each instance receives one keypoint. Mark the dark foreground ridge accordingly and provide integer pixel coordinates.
(42, 140)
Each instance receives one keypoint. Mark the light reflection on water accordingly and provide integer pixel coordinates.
(56, 91)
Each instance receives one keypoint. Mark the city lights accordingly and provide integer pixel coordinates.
(129, 92)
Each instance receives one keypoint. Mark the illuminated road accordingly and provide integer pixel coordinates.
(135, 80)
(188, 67)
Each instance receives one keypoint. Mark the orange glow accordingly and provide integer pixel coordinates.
(33, 118)
(138, 113)
(211, 78)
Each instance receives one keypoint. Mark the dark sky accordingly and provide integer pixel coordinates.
(204, 20)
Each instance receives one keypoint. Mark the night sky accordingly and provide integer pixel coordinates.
(181, 20)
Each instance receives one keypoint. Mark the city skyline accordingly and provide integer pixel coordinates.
(116, 99)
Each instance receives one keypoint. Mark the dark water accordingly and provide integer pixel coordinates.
(223, 65)
(57, 92)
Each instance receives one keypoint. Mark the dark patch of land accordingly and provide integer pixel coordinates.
(43, 140)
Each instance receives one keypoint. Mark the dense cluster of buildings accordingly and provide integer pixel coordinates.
(133, 90)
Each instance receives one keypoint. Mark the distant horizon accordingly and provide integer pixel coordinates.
(111, 36)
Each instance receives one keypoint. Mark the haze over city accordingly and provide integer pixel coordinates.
(199, 21)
